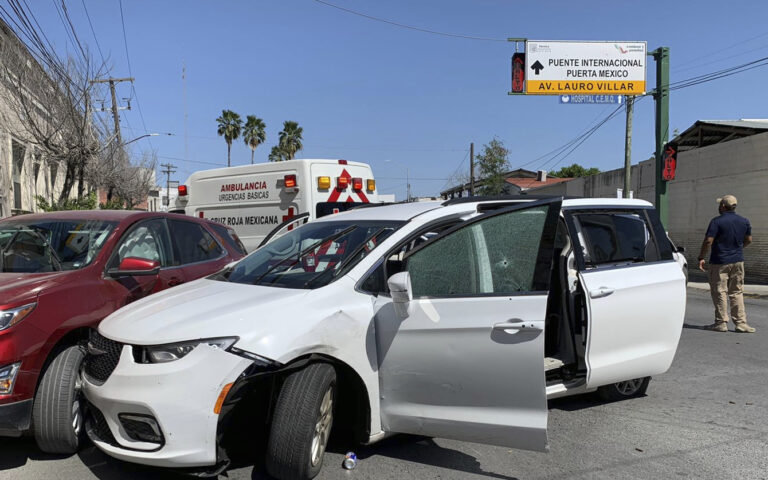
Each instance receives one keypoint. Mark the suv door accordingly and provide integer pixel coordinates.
(146, 239)
(635, 293)
(467, 362)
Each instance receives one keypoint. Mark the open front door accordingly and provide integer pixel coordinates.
(635, 294)
(466, 360)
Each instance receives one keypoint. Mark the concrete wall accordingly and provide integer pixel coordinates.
(738, 167)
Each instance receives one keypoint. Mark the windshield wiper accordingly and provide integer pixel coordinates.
(347, 260)
(304, 252)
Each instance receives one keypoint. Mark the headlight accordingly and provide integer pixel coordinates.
(174, 351)
(12, 316)
(8, 378)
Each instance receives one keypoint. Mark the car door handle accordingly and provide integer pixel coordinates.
(601, 292)
(175, 281)
(516, 325)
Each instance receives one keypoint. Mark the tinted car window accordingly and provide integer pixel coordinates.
(496, 255)
(229, 236)
(616, 238)
(192, 243)
(148, 239)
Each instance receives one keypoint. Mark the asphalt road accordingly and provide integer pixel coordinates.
(707, 418)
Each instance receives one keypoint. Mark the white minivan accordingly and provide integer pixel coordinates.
(254, 199)
(457, 319)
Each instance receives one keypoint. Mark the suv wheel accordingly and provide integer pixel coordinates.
(57, 414)
(302, 423)
(626, 389)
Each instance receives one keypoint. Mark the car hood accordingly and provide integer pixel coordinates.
(201, 309)
(21, 286)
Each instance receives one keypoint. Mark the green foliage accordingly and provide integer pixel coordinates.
(277, 154)
(87, 202)
(114, 204)
(575, 170)
(290, 139)
(230, 126)
(254, 133)
(492, 163)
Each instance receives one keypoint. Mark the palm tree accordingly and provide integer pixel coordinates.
(230, 125)
(277, 154)
(253, 133)
(290, 139)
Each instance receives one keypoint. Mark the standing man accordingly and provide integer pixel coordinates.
(727, 234)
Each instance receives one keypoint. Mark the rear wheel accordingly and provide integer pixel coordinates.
(626, 389)
(57, 414)
(302, 423)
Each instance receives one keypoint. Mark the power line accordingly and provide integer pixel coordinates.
(709, 54)
(93, 32)
(130, 72)
(410, 27)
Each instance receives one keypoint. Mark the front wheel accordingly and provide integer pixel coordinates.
(302, 423)
(57, 413)
(625, 389)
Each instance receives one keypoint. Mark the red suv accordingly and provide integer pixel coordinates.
(60, 274)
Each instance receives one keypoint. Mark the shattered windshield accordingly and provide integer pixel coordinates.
(50, 245)
(311, 256)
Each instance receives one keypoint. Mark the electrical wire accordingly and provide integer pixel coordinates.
(410, 27)
(95, 38)
(130, 73)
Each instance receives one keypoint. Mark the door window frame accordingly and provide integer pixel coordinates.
(224, 251)
(116, 250)
(649, 216)
(548, 238)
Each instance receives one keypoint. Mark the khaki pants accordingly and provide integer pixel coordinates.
(726, 282)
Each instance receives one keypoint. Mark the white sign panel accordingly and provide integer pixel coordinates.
(585, 68)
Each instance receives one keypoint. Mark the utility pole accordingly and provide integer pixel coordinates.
(472, 169)
(112, 82)
(661, 95)
(408, 186)
(628, 148)
(169, 168)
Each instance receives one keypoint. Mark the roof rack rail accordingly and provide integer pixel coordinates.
(499, 198)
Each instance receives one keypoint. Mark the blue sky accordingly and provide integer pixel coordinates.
(397, 98)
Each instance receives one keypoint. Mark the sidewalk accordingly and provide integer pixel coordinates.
(751, 289)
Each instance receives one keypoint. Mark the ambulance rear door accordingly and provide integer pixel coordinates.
(337, 186)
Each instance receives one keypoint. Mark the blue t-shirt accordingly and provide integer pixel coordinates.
(729, 231)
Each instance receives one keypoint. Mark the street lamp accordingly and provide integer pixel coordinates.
(407, 180)
(144, 136)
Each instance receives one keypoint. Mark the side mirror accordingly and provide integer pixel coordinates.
(681, 249)
(134, 266)
(400, 289)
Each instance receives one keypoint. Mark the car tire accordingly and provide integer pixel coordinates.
(57, 414)
(623, 390)
(302, 423)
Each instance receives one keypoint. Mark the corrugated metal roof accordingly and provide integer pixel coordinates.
(758, 123)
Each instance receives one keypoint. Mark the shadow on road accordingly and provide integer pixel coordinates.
(424, 450)
(15, 452)
(696, 327)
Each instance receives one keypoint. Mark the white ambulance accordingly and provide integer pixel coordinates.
(254, 199)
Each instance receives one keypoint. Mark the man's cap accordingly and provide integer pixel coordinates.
(728, 201)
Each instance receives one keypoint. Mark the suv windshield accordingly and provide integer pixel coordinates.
(311, 256)
(50, 245)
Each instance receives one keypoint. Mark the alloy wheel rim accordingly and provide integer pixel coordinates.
(77, 418)
(630, 387)
(322, 427)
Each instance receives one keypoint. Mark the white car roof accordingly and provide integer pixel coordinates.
(407, 211)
